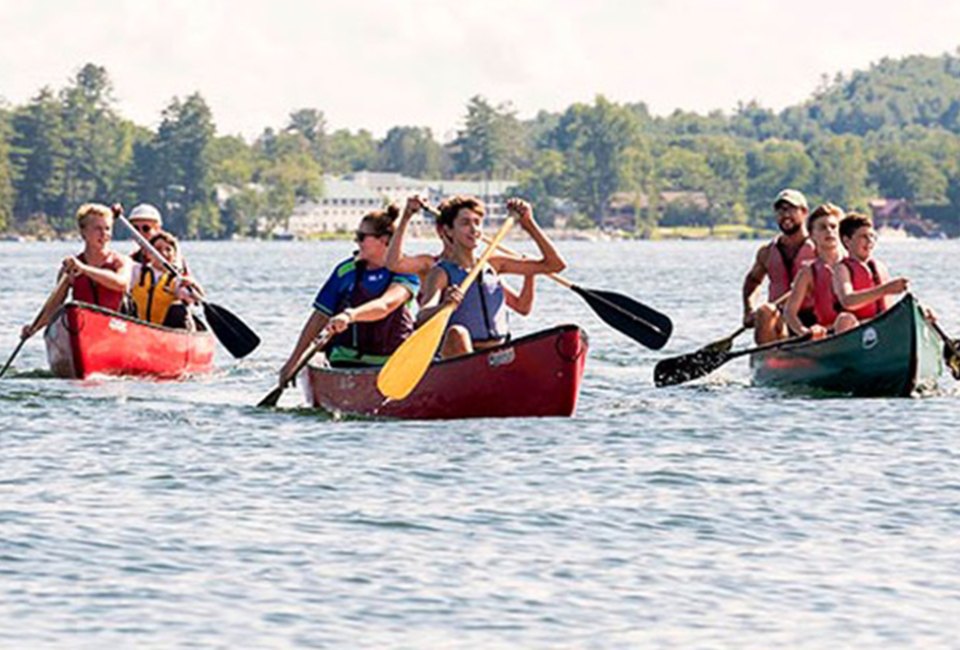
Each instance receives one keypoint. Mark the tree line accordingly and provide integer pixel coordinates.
(890, 131)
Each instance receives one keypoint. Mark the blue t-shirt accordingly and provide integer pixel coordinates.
(337, 289)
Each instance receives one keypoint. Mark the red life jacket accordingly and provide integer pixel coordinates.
(826, 305)
(867, 276)
(782, 268)
(86, 290)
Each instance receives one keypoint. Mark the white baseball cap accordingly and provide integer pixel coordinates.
(146, 212)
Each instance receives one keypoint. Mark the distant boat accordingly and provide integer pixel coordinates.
(284, 236)
(16, 238)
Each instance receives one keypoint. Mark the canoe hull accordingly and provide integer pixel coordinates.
(895, 354)
(84, 340)
(534, 376)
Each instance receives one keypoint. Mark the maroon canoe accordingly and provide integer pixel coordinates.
(536, 375)
(84, 340)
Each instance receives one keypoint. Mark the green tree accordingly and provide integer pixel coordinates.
(98, 143)
(542, 185)
(175, 169)
(908, 174)
(38, 154)
(841, 170)
(772, 166)
(312, 126)
(348, 152)
(593, 140)
(6, 173)
(491, 144)
(412, 151)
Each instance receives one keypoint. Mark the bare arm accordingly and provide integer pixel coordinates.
(396, 260)
(522, 302)
(430, 296)
(311, 329)
(372, 310)
(801, 285)
(550, 261)
(117, 280)
(752, 282)
(851, 299)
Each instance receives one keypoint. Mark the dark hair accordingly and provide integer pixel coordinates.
(853, 222)
(167, 237)
(821, 211)
(382, 220)
(452, 206)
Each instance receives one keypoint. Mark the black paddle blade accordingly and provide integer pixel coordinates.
(232, 332)
(952, 358)
(687, 367)
(271, 398)
(643, 324)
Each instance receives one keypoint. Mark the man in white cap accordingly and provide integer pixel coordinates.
(148, 222)
(780, 261)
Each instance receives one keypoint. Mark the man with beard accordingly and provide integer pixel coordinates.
(779, 260)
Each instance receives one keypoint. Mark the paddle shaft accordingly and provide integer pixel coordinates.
(54, 299)
(273, 396)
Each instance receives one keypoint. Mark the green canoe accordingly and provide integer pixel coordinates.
(895, 354)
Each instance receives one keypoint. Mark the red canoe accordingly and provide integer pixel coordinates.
(83, 340)
(537, 375)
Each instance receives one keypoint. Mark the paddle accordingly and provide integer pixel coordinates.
(53, 300)
(687, 367)
(232, 332)
(271, 398)
(409, 362)
(951, 354)
(638, 321)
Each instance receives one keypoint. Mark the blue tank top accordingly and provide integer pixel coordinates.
(484, 308)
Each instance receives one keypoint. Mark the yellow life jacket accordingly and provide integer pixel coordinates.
(153, 295)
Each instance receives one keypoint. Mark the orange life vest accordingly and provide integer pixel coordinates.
(782, 269)
(867, 276)
(826, 305)
(86, 290)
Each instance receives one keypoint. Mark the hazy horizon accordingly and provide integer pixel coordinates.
(374, 64)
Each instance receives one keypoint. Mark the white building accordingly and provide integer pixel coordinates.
(339, 210)
(348, 198)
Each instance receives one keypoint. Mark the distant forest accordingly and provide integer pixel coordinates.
(890, 131)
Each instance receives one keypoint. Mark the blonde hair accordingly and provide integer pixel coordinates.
(85, 211)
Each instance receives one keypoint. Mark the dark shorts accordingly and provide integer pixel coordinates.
(808, 317)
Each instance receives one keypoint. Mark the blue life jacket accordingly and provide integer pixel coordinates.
(484, 308)
(370, 343)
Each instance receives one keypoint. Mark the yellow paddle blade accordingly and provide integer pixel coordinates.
(408, 364)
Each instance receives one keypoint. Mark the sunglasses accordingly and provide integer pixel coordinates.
(360, 235)
(144, 227)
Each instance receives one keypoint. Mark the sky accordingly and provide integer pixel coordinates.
(375, 64)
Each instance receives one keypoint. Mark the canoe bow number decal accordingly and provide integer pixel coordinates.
(869, 338)
(501, 358)
(117, 325)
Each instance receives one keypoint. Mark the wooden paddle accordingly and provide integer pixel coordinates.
(687, 367)
(53, 301)
(634, 319)
(271, 398)
(408, 363)
(232, 332)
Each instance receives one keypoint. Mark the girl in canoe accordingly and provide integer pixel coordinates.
(159, 296)
(861, 281)
(816, 279)
(480, 318)
(363, 303)
(98, 276)
(421, 264)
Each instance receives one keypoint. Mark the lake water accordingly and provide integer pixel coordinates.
(716, 514)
